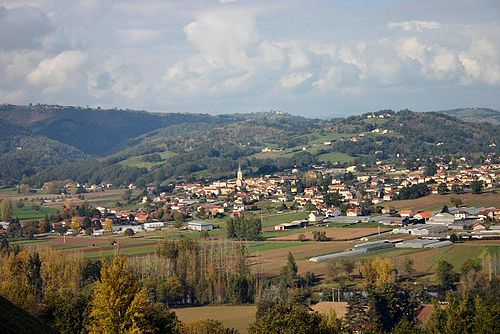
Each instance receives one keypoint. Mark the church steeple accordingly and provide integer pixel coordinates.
(239, 177)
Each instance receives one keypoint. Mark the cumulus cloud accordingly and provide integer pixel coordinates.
(190, 55)
(55, 73)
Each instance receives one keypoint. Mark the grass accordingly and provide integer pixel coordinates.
(336, 157)
(27, 213)
(136, 161)
(457, 254)
(271, 220)
(233, 316)
(266, 246)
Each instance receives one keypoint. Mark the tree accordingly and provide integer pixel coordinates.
(319, 236)
(408, 266)
(129, 232)
(356, 318)
(206, 326)
(477, 187)
(456, 202)
(446, 276)
(75, 224)
(119, 305)
(289, 319)
(457, 189)
(6, 209)
(377, 272)
(442, 189)
(389, 304)
(347, 266)
(108, 225)
(445, 209)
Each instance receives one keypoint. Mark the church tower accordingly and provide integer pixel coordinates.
(239, 177)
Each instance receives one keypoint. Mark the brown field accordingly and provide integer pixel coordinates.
(270, 262)
(436, 202)
(336, 233)
(233, 316)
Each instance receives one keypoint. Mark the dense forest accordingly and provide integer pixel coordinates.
(43, 143)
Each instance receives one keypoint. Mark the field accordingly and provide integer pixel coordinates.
(336, 157)
(27, 213)
(436, 202)
(339, 233)
(233, 316)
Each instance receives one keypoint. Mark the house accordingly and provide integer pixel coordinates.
(315, 217)
(407, 213)
(423, 215)
(353, 212)
(200, 226)
(478, 227)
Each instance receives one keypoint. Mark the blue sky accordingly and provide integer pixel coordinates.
(313, 58)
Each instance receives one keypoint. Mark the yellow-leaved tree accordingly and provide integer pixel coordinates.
(377, 272)
(108, 225)
(120, 305)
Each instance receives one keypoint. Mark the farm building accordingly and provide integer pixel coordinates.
(291, 225)
(348, 253)
(200, 226)
(441, 219)
(420, 229)
(374, 245)
(153, 225)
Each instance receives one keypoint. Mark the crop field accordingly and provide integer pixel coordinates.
(27, 213)
(436, 202)
(233, 316)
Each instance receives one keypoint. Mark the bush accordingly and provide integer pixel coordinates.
(129, 232)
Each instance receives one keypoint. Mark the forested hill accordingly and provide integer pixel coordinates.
(95, 131)
(43, 143)
(475, 115)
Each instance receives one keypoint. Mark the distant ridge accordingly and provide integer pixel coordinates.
(474, 115)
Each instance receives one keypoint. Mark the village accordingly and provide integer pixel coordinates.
(328, 197)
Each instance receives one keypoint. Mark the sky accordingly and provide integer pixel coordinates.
(312, 58)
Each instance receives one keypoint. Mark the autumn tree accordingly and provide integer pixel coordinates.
(377, 272)
(6, 209)
(108, 225)
(120, 305)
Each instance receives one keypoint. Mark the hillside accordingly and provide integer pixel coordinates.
(95, 131)
(267, 142)
(474, 115)
(14, 320)
(42, 143)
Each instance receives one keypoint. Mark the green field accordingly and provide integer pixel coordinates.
(137, 162)
(266, 246)
(27, 213)
(271, 220)
(457, 254)
(336, 157)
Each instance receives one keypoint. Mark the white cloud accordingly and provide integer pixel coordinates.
(292, 80)
(55, 73)
(417, 26)
(140, 36)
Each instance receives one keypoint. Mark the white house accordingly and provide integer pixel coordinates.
(200, 226)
